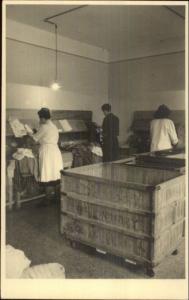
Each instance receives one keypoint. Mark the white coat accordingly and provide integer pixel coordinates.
(50, 158)
(163, 134)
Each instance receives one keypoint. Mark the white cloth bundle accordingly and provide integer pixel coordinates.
(16, 262)
(23, 152)
(18, 266)
(97, 150)
(52, 270)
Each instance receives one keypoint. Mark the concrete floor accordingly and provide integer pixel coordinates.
(36, 231)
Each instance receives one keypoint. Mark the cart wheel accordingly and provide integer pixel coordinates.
(175, 252)
(74, 244)
(150, 272)
(18, 198)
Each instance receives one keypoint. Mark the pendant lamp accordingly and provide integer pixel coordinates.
(55, 85)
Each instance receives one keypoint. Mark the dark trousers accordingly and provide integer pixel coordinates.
(110, 150)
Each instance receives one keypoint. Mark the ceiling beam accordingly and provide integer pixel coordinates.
(63, 13)
(97, 60)
(174, 12)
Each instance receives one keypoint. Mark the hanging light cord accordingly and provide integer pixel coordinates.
(56, 54)
(48, 20)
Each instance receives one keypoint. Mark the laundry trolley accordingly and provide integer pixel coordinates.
(130, 211)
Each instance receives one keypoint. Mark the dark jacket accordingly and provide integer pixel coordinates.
(110, 147)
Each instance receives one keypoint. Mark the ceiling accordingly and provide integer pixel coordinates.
(107, 26)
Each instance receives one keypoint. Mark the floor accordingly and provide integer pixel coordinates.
(36, 231)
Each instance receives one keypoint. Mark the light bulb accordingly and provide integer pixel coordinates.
(55, 86)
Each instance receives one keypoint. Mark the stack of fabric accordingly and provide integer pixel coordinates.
(18, 266)
(23, 152)
(52, 270)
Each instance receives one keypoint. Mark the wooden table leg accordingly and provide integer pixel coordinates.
(18, 199)
(10, 176)
(10, 193)
(149, 271)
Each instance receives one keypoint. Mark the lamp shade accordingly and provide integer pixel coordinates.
(55, 86)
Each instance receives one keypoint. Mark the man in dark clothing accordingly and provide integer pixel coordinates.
(110, 129)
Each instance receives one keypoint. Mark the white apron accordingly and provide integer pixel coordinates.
(50, 158)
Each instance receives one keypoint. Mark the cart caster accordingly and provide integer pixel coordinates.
(150, 272)
(100, 251)
(175, 252)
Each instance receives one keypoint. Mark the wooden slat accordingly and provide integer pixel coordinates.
(120, 218)
(100, 202)
(129, 184)
(123, 245)
(32, 198)
(132, 219)
(131, 176)
(131, 198)
(170, 191)
(108, 226)
(92, 243)
(169, 240)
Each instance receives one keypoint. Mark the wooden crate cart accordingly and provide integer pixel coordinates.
(133, 212)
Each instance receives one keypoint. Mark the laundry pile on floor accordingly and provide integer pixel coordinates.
(18, 266)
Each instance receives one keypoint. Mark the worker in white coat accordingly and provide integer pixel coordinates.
(50, 158)
(162, 130)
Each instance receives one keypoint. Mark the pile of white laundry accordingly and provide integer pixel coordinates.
(97, 150)
(23, 152)
(18, 266)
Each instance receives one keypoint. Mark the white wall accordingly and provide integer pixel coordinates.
(139, 84)
(29, 34)
(31, 70)
(144, 84)
(34, 97)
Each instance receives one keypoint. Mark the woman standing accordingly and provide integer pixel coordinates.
(162, 130)
(50, 158)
